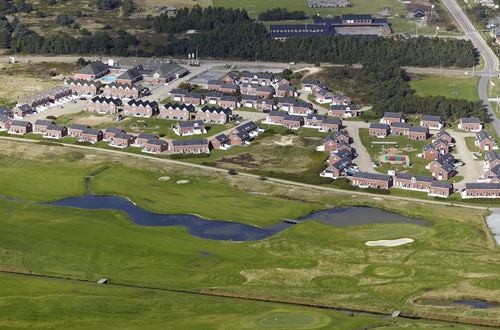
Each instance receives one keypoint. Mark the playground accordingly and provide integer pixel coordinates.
(396, 153)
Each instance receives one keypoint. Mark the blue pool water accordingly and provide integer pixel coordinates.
(109, 79)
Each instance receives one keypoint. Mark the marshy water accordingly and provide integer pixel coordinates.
(232, 231)
(476, 304)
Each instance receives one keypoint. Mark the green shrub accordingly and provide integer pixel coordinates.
(185, 156)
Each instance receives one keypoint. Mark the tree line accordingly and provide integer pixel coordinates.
(229, 33)
(389, 90)
(281, 14)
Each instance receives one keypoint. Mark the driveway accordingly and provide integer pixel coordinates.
(472, 169)
(67, 108)
(250, 115)
(363, 160)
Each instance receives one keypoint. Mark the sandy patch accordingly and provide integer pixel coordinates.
(182, 181)
(285, 141)
(390, 242)
(310, 70)
(164, 178)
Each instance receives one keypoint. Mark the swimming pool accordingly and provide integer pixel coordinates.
(109, 79)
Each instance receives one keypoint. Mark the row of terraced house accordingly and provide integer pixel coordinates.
(147, 109)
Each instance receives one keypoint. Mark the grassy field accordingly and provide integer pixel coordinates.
(455, 258)
(22, 79)
(460, 87)
(30, 302)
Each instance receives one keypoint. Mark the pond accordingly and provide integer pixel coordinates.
(227, 230)
(493, 222)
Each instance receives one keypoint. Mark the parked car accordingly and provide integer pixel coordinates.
(374, 164)
(475, 156)
(459, 163)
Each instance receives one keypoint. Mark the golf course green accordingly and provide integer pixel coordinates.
(310, 262)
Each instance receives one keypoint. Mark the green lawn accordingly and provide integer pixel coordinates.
(470, 141)
(29, 180)
(29, 302)
(208, 198)
(412, 149)
(494, 88)
(452, 86)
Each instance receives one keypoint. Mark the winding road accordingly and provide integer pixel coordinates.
(491, 61)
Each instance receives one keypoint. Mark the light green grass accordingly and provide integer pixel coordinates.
(458, 87)
(28, 180)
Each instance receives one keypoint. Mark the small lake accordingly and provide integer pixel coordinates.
(476, 304)
(227, 230)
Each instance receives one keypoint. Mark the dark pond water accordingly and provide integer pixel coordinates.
(232, 231)
(477, 304)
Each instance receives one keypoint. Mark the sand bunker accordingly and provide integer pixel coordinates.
(389, 242)
(164, 178)
(182, 181)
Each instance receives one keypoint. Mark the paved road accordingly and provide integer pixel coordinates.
(257, 177)
(161, 93)
(491, 61)
(66, 109)
(250, 115)
(472, 169)
(363, 160)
